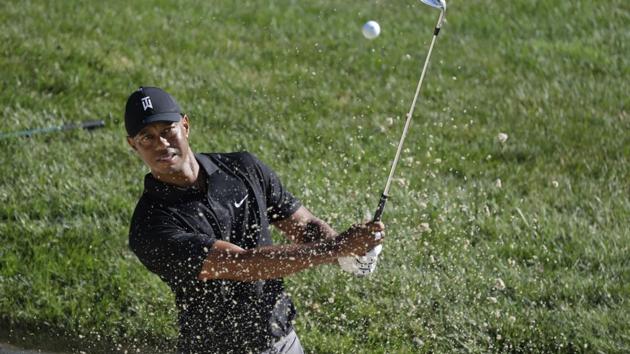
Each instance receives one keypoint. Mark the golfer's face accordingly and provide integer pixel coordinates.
(162, 146)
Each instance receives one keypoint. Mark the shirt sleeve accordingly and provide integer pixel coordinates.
(280, 202)
(167, 249)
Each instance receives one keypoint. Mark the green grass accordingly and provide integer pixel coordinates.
(296, 84)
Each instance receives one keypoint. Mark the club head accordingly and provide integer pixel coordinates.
(438, 4)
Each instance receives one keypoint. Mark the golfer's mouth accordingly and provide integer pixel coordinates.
(167, 157)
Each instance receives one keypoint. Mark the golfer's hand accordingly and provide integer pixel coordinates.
(360, 239)
(361, 265)
(363, 261)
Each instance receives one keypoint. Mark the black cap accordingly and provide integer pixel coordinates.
(148, 105)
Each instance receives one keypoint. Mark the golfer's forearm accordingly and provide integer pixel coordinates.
(316, 230)
(304, 227)
(268, 262)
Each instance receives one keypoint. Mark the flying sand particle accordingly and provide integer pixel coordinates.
(424, 227)
(499, 284)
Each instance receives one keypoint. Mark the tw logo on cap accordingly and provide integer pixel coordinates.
(146, 103)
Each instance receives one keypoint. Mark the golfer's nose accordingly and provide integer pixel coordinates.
(162, 141)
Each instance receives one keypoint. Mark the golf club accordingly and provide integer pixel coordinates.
(88, 125)
(441, 5)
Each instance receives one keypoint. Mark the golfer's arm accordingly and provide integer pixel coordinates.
(303, 227)
(228, 261)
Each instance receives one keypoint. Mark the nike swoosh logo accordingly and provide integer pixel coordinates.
(238, 205)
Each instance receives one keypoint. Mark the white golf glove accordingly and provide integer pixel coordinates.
(362, 265)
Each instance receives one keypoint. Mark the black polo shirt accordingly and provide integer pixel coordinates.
(172, 230)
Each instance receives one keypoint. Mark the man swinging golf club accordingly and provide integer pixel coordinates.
(202, 225)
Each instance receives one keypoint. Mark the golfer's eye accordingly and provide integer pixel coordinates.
(169, 131)
(145, 140)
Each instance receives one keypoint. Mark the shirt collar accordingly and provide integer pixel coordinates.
(207, 164)
(170, 192)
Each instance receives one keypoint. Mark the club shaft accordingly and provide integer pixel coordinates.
(385, 195)
(88, 125)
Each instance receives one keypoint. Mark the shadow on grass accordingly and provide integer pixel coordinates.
(23, 339)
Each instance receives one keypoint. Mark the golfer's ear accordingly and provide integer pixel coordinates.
(186, 124)
(131, 143)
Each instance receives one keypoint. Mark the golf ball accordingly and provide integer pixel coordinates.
(371, 29)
